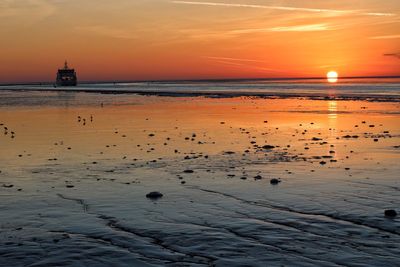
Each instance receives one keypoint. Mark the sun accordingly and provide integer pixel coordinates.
(332, 76)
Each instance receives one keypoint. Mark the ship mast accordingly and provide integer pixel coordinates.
(65, 65)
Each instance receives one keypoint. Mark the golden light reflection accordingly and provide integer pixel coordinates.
(332, 76)
(38, 129)
(332, 125)
(332, 109)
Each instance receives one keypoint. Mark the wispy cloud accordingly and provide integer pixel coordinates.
(332, 12)
(330, 66)
(35, 9)
(295, 28)
(397, 55)
(301, 28)
(107, 31)
(385, 37)
(379, 14)
(235, 59)
(241, 63)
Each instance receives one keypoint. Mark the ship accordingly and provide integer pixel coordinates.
(66, 76)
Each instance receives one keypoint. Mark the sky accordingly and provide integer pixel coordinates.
(170, 39)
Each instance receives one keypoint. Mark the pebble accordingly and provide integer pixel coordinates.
(274, 181)
(257, 177)
(390, 213)
(268, 147)
(154, 195)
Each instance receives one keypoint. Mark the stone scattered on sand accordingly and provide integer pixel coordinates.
(257, 177)
(274, 181)
(268, 147)
(188, 171)
(154, 195)
(390, 213)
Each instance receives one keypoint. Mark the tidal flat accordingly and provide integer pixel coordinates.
(75, 169)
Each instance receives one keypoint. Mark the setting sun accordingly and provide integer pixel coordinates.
(332, 76)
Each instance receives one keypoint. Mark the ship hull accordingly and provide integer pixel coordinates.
(67, 83)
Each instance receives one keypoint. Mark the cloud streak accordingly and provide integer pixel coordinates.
(107, 32)
(396, 55)
(332, 12)
(296, 28)
(26, 8)
(385, 37)
(301, 28)
(235, 59)
(241, 63)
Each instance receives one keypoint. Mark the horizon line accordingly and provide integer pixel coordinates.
(205, 80)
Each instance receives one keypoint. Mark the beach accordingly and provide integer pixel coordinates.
(247, 178)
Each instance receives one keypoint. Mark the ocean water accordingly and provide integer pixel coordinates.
(378, 89)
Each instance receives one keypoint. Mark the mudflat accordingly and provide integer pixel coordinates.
(242, 181)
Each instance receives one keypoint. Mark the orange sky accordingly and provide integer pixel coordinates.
(166, 39)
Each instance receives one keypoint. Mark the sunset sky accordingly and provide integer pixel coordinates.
(165, 39)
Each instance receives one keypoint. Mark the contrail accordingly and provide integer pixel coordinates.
(284, 8)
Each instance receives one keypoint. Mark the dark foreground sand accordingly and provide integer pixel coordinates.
(76, 168)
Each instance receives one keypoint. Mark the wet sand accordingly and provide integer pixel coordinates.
(75, 169)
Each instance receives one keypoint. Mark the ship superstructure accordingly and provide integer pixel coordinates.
(66, 76)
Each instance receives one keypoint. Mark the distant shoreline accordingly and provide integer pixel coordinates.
(384, 89)
(217, 80)
(219, 94)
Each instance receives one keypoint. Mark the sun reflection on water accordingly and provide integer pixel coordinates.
(332, 109)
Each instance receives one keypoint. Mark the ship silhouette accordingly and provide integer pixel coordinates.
(66, 76)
